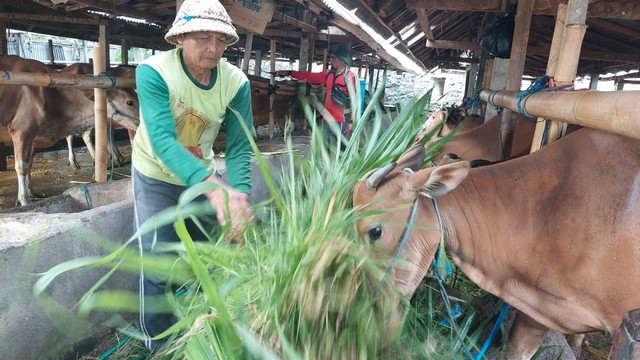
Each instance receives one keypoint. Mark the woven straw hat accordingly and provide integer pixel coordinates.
(202, 15)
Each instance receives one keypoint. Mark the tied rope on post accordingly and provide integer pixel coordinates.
(273, 90)
(539, 85)
(106, 74)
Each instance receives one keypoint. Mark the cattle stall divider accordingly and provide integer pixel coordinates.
(71, 81)
(612, 111)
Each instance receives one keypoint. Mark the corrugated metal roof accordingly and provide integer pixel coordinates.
(612, 41)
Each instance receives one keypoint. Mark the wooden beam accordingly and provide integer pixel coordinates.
(514, 73)
(423, 20)
(458, 45)
(456, 59)
(633, 34)
(457, 5)
(614, 9)
(53, 18)
(122, 10)
(277, 15)
(590, 54)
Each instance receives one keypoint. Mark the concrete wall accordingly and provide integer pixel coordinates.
(35, 238)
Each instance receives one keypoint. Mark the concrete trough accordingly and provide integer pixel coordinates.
(35, 238)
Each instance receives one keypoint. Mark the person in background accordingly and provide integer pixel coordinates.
(336, 102)
(186, 94)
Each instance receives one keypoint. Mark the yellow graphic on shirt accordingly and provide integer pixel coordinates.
(190, 126)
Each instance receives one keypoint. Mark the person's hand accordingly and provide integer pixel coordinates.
(232, 207)
(283, 73)
(348, 130)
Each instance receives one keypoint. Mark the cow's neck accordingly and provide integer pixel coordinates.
(80, 116)
(480, 225)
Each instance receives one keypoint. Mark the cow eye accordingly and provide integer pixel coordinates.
(129, 103)
(375, 234)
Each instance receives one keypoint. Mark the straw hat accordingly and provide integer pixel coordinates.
(202, 15)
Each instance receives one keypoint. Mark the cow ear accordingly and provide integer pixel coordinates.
(412, 159)
(440, 180)
(88, 93)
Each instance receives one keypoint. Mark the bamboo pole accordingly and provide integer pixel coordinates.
(558, 32)
(272, 98)
(65, 80)
(100, 116)
(569, 55)
(612, 111)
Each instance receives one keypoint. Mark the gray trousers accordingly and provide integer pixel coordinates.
(149, 197)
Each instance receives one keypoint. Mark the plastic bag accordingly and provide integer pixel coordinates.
(497, 39)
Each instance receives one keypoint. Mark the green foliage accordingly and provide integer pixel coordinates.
(303, 286)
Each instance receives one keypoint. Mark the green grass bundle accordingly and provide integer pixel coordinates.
(303, 286)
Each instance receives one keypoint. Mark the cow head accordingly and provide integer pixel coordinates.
(388, 194)
(123, 108)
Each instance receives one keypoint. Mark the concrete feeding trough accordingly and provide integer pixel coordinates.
(37, 237)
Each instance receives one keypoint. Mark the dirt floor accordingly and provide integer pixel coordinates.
(51, 173)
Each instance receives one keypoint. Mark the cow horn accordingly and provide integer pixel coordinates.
(376, 177)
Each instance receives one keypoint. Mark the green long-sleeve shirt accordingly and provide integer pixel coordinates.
(180, 120)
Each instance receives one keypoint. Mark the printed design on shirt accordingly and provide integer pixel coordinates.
(190, 125)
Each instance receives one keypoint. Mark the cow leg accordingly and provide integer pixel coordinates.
(29, 181)
(575, 342)
(525, 338)
(22, 152)
(86, 136)
(72, 157)
(116, 155)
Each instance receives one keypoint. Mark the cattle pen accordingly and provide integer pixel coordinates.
(553, 42)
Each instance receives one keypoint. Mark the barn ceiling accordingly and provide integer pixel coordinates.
(410, 35)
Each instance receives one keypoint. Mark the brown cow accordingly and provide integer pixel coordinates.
(119, 71)
(554, 233)
(450, 119)
(40, 116)
(483, 142)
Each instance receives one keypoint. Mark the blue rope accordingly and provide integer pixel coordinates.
(6, 74)
(535, 86)
(86, 194)
(405, 236)
(108, 75)
(494, 330)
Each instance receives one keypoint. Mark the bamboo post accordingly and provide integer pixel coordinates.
(569, 56)
(612, 111)
(247, 55)
(272, 97)
(542, 126)
(514, 74)
(100, 116)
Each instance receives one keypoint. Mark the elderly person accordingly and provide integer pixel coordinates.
(336, 102)
(186, 94)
